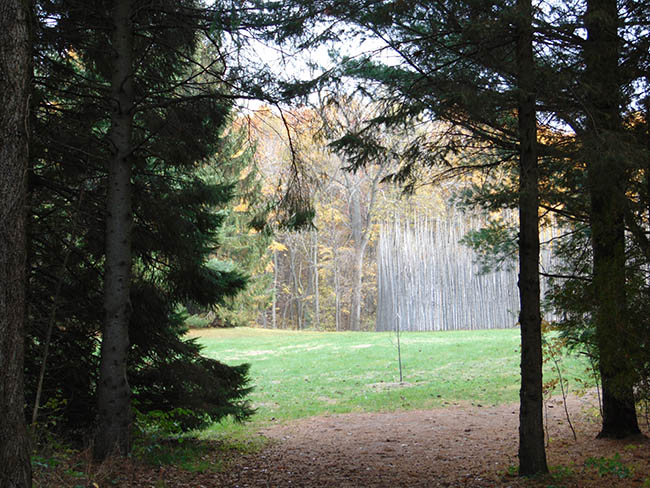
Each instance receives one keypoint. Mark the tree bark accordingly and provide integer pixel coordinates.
(15, 88)
(358, 237)
(532, 456)
(316, 283)
(606, 178)
(337, 289)
(275, 290)
(113, 391)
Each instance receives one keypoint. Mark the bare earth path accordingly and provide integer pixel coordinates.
(454, 446)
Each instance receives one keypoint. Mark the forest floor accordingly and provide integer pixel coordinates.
(456, 446)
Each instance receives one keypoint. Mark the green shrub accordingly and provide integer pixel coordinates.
(609, 466)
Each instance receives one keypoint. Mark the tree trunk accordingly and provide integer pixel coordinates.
(316, 284)
(15, 79)
(337, 290)
(357, 286)
(359, 237)
(606, 177)
(296, 292)
(275, 290)
(532, 456)
(113, 391)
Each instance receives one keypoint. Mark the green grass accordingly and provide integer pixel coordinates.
(300, 374)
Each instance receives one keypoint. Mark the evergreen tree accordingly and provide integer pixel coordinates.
(590, 185)
(243, 236)
(180, 109)
(458, 64)
(15, 90)
(607, 180)
(532, 457)
(113, 393)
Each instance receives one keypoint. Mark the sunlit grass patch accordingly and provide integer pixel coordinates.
(299, 374)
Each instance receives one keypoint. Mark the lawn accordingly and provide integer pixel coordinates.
(300, 374)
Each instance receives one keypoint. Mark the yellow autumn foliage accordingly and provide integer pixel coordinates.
(238, 153)
(277, 246)
(242, 207)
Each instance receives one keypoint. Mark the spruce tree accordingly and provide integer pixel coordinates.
(457, 66)
(244, 235)
(179, 115)
(532, 456)
(113, 434)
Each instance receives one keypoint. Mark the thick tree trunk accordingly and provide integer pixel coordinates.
(113, 392)
(606, 176)
(15, 79)
(532, 456)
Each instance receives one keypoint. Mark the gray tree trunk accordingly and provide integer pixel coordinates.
(15, 80)
(360, 223)
(316, 284)
(275, 290)
(113, 391)
(337, 290)
(532, 456)
(359, 239)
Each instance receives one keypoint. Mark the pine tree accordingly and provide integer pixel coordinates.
(15, 90)
(532, 456)
(244, 236)
(458, 67)
(113, 392)
(180, 110)
(607, 179)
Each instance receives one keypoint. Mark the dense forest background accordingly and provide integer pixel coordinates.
(322, 277)
(326, 277)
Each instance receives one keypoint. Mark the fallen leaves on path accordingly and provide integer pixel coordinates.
(447, 447)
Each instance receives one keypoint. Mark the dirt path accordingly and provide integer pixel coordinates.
(456, 446)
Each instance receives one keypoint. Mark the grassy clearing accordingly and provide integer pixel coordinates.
(300, 374)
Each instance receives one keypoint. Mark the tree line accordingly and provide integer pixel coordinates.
(324, 277)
